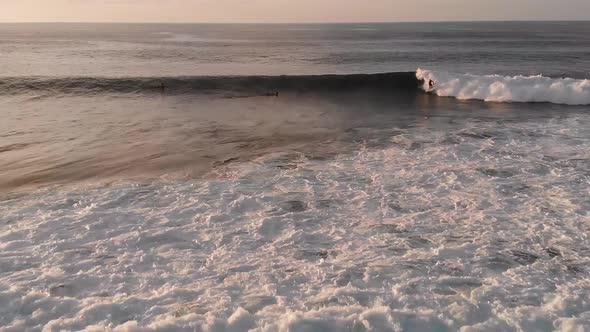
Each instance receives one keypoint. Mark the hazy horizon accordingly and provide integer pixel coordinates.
(287, 23)
(305, 11)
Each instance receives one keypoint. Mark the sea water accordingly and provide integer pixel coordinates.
(151, 179)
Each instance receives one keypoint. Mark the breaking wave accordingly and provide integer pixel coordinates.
(491, 88)
(496, 88)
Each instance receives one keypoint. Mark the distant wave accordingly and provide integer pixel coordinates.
(496, 88)
(403, 81)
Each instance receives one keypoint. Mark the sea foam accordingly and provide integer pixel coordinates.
(497, 88)
(480, 226)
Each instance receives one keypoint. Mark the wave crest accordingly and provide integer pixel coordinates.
(497, 88)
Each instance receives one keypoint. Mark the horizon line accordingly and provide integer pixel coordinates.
(294, 23)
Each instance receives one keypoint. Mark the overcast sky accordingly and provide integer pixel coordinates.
(289, 10)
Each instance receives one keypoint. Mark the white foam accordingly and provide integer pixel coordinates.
(441, 230)
(496, 88)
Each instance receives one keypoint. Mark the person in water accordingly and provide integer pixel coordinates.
(431, 84)
(162, 87)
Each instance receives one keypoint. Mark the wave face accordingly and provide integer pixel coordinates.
(402, 81)
(496, 88)
(492, 88)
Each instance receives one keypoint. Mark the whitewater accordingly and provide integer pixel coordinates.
(440, 230)
(497, 88)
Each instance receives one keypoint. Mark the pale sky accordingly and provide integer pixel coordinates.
(270, 11)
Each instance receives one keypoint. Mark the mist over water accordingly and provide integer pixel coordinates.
(231, 198)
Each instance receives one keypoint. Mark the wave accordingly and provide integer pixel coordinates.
(402, 81)
(496, 88)
(492, 88)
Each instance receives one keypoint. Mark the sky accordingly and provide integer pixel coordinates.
(289, 11)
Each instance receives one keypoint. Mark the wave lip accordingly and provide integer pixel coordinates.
(497, 88)
(401, 81)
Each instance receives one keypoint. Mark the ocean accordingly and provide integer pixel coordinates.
(295, 177)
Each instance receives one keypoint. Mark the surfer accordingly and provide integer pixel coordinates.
(162, 87)
(272, 94)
